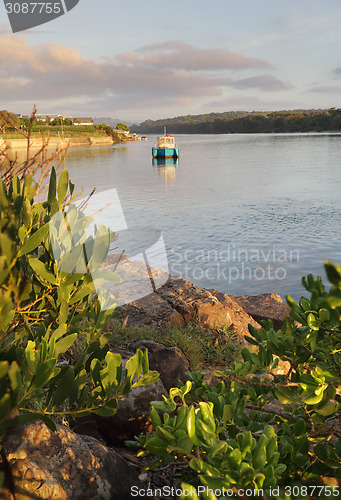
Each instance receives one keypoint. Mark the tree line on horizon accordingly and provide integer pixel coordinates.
(243, 122)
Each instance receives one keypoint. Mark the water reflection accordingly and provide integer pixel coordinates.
(251, 193)
(166, 168)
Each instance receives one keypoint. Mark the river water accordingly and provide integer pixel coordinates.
(245, 214)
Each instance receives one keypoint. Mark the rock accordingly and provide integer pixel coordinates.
(138, 279)
(178, 301)
(151, 311)
(241, 319)
(64, 465)
(170, 362)
(264, 306)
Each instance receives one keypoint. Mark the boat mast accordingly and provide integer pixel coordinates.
(164, 131)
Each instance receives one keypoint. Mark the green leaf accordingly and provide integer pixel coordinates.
(206, 410)
(99, 276)
(64, 387)
(228, 413)
(324, 315)
(4, 367)
(3, 195)
(312, 398)
(43, 374)
(5, 406)
(34, 241)
(299, 427)
(291, 302)
(333, 272)
(285, 396)
(81, 294)
(100, 247)
(32, 356)
(52, 187)
(61, 346)
(162, 433)
(147, 379)
(63, 185)
(234, 459)
(15, 379)
(188, 489)
(259, 456)
(78, 385)
(328, 410)
(108, 410)
(95, 370)
(157, 446)
(41, 271)
(63, 312)
(191, 426)
(312, 322)
(280, 469)
(155, 418)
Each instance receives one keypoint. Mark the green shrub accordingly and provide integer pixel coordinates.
(256, 428)
(54, 359)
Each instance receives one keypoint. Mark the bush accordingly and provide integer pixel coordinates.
(54, 358)
(256, 428)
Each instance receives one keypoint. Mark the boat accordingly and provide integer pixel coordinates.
(165, 147)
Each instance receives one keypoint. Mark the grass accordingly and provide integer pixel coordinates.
(200, 346)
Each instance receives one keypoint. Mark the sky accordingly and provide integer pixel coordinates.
(137, 60)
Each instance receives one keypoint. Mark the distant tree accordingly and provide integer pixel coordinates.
(109, 131)
(24, 123)
(8, 121)
(122, 126)
(57, 121)
(67, 122)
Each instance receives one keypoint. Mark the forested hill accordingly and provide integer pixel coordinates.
(246, 122)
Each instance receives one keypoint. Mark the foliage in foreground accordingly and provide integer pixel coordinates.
(54, 360)
(256, 428)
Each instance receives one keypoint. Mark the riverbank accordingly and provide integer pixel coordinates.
(54, 142)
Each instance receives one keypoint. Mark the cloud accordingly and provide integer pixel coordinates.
(337, 71)
(179, 55)
(262, 82)
(168, 74)
(326, 89)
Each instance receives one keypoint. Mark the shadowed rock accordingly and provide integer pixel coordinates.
(170, 362)
(265, 306)
(64, 466)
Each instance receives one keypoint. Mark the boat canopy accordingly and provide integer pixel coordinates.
(166, 141)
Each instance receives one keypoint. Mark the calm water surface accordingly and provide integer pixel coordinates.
(245, 214)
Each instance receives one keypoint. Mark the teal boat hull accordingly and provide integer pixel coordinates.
(165, 152)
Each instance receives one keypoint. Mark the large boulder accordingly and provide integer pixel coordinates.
(64, 466)
(170, 362)
(178, 301)
(241, 319)
(264, 306)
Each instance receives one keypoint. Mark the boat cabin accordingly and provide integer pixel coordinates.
(166, 141)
